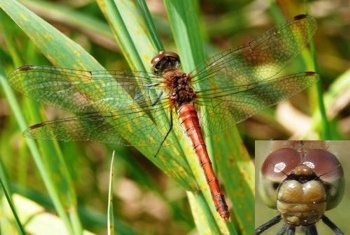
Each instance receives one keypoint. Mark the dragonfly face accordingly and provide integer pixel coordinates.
(301, 180)
(165, 61)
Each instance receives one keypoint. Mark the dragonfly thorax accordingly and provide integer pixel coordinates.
(179, 85)
(301, 197)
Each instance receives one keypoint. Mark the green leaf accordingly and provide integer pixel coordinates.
(231, 158)
(132, 27)
(110, 220)
(53, 170)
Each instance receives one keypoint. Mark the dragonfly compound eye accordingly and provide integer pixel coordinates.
(274, 170)
(328, 168)
(165, 61)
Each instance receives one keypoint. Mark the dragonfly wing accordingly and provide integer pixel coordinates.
(133, 128)
(236, 103)
(262, 58)
(83, 91)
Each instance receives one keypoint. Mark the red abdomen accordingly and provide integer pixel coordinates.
(189, 121)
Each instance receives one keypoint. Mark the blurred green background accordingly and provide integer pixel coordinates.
(145, 200)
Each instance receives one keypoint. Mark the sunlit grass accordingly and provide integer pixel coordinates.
(82, 186)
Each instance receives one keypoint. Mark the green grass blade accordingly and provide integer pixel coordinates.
(204, 220)
(59, 186)
(63, 52)
(110, 215)
(184, 22)
(325, 128)
(6, 192)
(58, 48)
(130, 32)
(335, 100)
(181, 14)
(153, 36)
(132, 35)
(97, 30)
(231, 159)
(37, 156)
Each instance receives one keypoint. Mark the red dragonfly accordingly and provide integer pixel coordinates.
(232, 86)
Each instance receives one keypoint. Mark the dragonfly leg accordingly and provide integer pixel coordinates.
(283, 229)
(157, 99)
(268, 225)
(331, 225)
(311, 230)
(167, 133)
(291, 230)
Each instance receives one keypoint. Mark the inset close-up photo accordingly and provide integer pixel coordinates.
(301, 187)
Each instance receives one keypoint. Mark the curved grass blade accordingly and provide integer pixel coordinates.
(62, 199)
(189, 41)
(175, 168)
(131, 33)
(110, 216)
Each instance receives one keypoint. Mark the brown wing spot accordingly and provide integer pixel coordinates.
(37, 126)
(309, 73)
(25, 68)
(300, 17)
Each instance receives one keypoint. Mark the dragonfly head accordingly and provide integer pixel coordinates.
(302, 176)
(164, 61)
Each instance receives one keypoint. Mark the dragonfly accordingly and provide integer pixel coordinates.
(230, 87)
(302, 180)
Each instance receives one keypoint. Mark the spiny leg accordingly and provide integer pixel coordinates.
(311, 230)
(167, 133)
(283, 230)
(291, 230)
(331, 225)
(268, 224)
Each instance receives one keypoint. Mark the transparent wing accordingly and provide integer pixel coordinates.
(236, 103)
(110, 105)
(110, 127)
(262, 58)
(86, 91)
(236, 84)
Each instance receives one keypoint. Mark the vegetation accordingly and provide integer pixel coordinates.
(70, 180)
